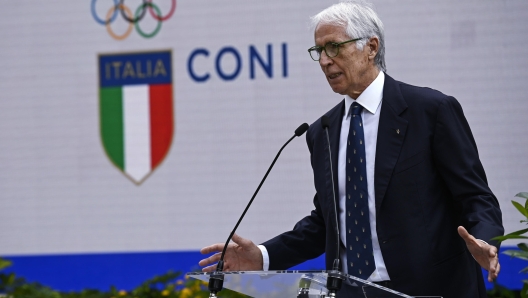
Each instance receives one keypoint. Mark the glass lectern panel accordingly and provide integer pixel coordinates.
(297, 283)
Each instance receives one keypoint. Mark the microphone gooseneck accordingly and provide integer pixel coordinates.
(334, 280)
(216, 280)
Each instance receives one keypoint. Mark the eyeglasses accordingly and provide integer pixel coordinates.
(331, 49)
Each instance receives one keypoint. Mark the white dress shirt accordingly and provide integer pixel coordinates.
(371, 100)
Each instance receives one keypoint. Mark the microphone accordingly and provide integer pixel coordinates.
(299, 131)
(334, 280)
(216, 281)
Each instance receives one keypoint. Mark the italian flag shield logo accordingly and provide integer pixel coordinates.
(136, 110)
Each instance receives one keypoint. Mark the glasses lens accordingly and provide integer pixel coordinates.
(331, 49)
(315, 54)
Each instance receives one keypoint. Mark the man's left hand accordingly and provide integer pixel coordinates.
(483, 253)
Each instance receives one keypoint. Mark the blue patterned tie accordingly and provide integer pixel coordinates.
(358, 238)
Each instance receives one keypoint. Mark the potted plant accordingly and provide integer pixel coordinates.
(522, 253)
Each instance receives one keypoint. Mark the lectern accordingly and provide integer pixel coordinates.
(297, 283)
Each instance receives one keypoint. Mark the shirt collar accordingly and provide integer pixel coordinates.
(370, 98)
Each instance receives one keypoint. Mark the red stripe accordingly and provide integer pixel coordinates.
(161, 122)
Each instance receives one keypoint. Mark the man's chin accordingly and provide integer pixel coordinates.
(340, 87)
(338, 90)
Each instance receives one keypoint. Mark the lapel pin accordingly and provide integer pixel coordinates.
(398, 131)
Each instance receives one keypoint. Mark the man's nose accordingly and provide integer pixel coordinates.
(324, 59)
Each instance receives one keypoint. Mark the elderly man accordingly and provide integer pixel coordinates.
(415, 211)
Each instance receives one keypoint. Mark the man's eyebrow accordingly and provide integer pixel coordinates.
(326, 43)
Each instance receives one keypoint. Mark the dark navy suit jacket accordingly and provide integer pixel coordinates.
(428, 180)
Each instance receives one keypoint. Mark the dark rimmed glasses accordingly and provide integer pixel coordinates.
(331, 49)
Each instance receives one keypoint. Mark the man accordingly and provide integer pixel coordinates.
(415, 212)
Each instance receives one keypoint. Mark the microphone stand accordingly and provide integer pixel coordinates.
(335, 279)
(216, 281)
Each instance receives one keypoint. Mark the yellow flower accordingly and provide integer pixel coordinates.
(179, 282)
(165, 293)
(122, 293)
(185, 293)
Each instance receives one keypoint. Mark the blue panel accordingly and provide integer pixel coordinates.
(135, 68)
(100, 271)
(128, 270)
(315, 264)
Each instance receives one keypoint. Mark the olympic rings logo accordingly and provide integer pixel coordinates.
(133, 19)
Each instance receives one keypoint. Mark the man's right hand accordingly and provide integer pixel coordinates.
(241, 255)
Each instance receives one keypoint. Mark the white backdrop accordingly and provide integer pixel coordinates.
(60, 194)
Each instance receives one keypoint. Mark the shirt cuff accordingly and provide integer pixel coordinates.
(265, 257)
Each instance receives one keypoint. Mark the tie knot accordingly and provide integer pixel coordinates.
(356, 109)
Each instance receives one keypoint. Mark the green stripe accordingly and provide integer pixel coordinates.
(111, 106)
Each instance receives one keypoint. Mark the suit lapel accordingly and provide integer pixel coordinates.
(335, 116)
(391, 133)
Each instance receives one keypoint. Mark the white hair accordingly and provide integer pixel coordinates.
(359, 20)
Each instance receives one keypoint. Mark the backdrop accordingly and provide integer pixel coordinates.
(85, 197)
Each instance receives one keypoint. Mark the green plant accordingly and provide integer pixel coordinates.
(522, 252)
(18, 287)
(499, 291)
(168, 285)
(4, 264)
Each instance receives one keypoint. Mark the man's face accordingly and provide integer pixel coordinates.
(350, 72)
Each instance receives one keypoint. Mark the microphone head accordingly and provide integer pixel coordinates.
(301, 129)
(325, 122)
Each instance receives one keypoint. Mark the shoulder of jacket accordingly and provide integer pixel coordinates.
(424, 96)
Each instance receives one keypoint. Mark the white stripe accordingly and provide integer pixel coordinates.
(136, 112)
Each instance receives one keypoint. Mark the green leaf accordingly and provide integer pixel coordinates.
(520, 254)
(524, 291)
(520, 232)
(512, 235)
(520, 208)
(523, 246)
(509, 236)
(4, 263)
(522, 195)
(11, 279)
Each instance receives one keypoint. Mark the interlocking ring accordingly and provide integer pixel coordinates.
(133, 19)
(158, 27)
(109, 19)
(173, 8)
(138, 17)
(130, 25)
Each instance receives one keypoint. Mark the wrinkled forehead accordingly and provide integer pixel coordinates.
(325, 33)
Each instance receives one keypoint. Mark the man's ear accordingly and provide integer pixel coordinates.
(372, 47)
